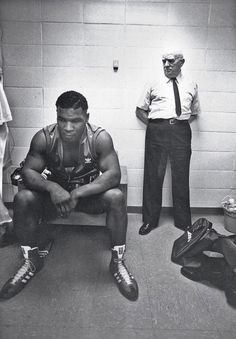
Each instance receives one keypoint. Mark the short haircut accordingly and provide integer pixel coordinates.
(72, 99)
(178, 54)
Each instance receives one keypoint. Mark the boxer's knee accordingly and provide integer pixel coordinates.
(115, 198)
(24, 199)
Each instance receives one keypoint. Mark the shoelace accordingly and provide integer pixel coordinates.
(43, 253)
(122, 270)
(189, 236)
(23, 270)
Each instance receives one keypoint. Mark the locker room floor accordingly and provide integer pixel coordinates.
(74, 295)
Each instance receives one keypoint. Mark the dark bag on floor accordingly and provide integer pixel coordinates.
(199, 237)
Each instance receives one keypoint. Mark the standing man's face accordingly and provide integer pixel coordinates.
(172, 65)
(71, 123)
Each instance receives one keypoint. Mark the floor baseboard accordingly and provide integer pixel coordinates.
(165, 210)
(169, 210)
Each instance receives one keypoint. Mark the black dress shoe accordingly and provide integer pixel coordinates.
(182, 228)
(145, 229)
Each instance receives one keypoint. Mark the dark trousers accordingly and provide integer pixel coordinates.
(165, 140)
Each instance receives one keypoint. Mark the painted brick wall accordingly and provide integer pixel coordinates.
(50, 46)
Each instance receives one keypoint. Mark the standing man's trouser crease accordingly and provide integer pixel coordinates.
(165, 140)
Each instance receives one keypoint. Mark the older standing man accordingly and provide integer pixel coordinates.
(166, 107)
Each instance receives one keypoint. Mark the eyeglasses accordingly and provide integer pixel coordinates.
(170, 61)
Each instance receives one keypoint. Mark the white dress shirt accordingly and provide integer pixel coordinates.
(158, 99)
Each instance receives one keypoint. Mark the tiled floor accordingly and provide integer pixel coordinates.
(74, 295)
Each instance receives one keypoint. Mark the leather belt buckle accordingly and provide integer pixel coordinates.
(172, 121)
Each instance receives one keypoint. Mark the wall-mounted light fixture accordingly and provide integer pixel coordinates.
(115, 65)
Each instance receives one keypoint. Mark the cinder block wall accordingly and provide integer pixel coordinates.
(50, 46)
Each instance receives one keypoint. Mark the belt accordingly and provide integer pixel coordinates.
(171, 121)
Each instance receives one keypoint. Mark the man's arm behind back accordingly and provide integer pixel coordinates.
(142, 115)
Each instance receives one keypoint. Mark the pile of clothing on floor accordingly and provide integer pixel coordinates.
(206, 255)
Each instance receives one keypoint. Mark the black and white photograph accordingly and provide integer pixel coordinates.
(118, 169)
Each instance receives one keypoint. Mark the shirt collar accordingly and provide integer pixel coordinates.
(178, 78)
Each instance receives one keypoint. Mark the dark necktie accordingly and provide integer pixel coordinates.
(177, 99)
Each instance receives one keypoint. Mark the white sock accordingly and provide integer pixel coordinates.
(5, 222)
(26, 249)
(120, 250)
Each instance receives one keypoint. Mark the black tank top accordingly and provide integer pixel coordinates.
(86, 171)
